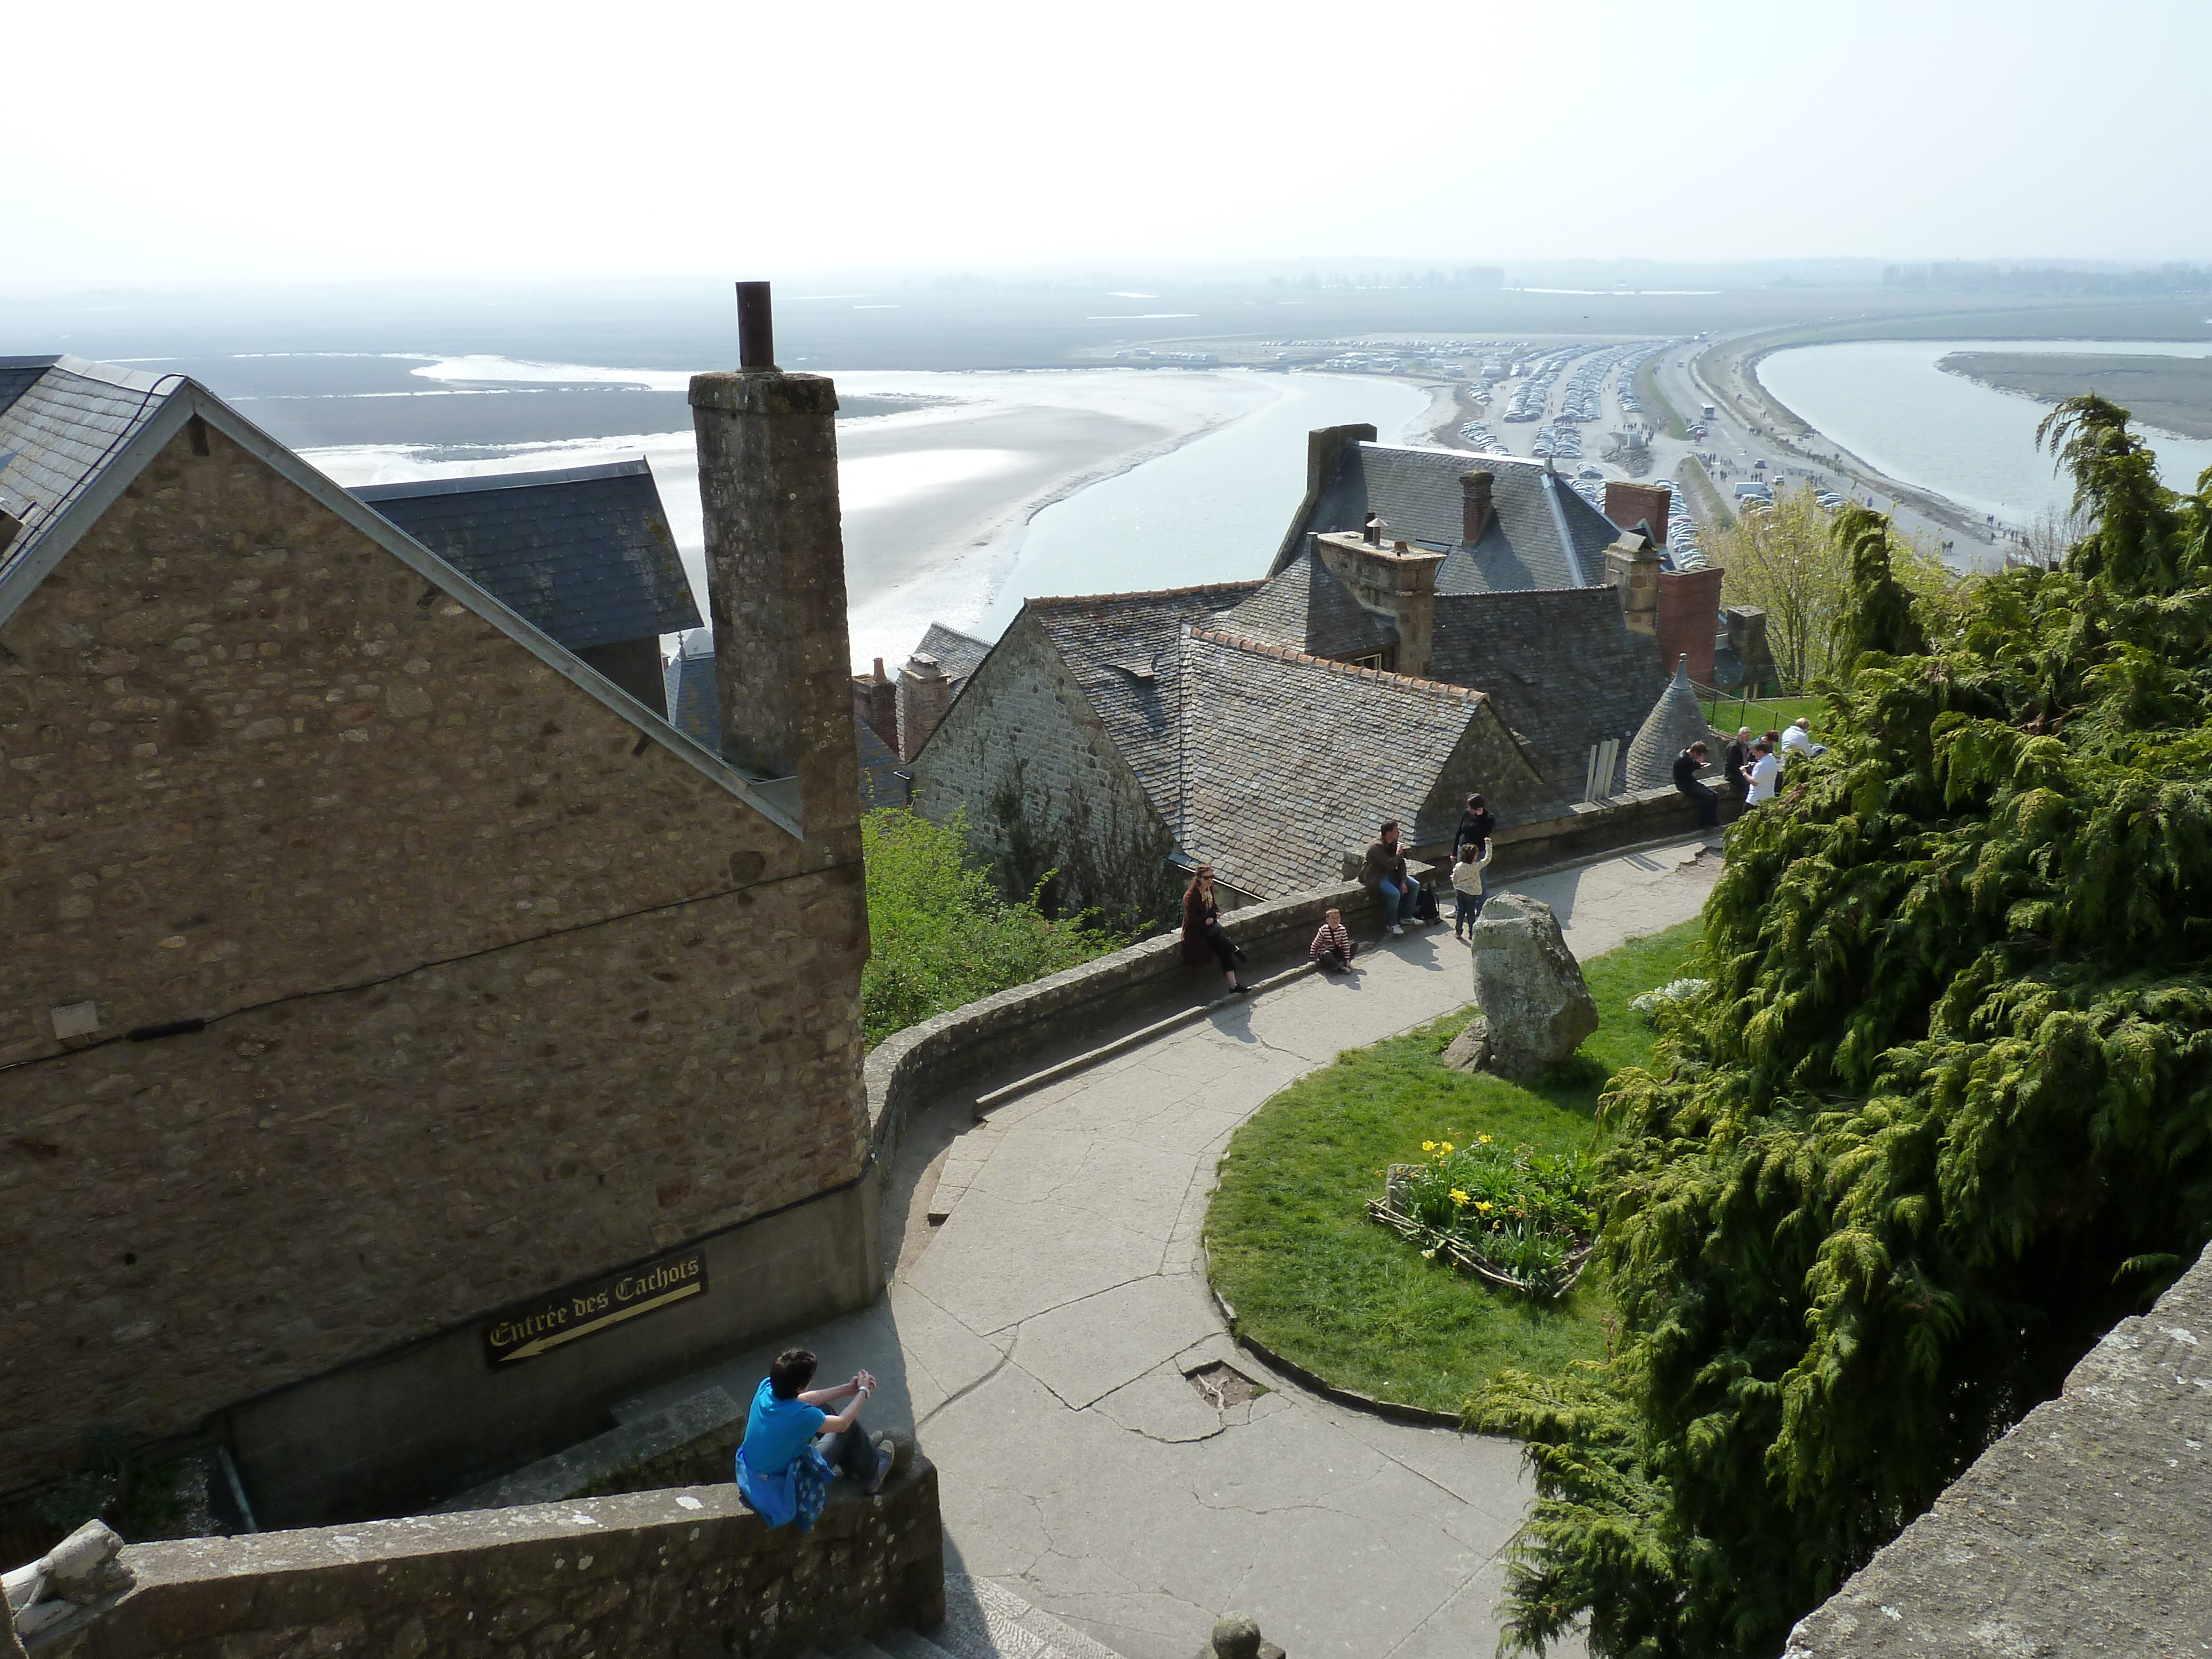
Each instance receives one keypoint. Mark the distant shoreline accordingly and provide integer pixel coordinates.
(2172, 395)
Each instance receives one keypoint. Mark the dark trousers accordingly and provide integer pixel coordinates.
(851, 1454)
(1466, 909)
(1707, 803)
(1224, 952)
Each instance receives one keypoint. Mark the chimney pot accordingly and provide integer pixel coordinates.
(880, 668)
(1373, 530)
(755, 327)
(1474, 505)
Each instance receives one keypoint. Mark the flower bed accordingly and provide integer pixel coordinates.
(1521, 1219)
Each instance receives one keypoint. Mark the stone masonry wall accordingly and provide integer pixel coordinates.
(1689, 618)
(502, 990)
(685, 1574)
(1021, 706)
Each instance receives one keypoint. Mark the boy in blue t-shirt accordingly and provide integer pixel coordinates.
(783, 1473)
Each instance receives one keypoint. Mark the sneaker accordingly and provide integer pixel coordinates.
(882, 1468)
(1396, 930)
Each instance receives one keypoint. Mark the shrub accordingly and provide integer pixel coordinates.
(1524, 1215)
(940, 935)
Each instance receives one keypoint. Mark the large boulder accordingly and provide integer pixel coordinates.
(1535, 1008)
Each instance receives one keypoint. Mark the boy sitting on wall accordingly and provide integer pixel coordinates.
(783, 1471)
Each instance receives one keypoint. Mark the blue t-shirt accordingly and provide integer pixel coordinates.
(777, 1430)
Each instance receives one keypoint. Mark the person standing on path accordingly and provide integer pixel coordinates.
(1735, 763)
(1476, 825)
(783, 1472)
(1765, 773)
(1467, 886)
(1203, 935)
(1384, 872)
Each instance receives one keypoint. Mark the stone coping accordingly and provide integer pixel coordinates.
(2081, 1531)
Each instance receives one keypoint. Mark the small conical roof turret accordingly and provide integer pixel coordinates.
(1676, 721)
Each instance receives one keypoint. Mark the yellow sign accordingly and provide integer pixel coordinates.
(549, 1321)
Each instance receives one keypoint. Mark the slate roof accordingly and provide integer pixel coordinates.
(1307, 607)
(1562, 666)
(1676, 721)
(62, 422)
(1541, 534)
(1287, 760)
(959, 655)
(584, 552)
(695, 709)
(1121, 650)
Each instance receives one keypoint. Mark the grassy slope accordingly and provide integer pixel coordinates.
(1314, 1280)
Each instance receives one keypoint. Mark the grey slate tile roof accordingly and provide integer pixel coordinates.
(1541, 535)
(959, 655)
(1122, 649)
(62, 421)
(695, 709)
(584, 552)
(1563, 667)
(1307, 608)
(1288, 761)
(1676, 721)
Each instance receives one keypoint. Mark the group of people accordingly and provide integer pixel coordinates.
(1751, 766)
(1384, 872)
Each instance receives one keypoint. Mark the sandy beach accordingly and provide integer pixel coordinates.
(936, 497)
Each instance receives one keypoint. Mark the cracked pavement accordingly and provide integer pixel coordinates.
(1040, 1341)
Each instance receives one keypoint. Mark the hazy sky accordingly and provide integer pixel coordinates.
(232, 141)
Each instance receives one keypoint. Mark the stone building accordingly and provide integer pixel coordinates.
(694, 710)
(392, 1003)
(583, 552)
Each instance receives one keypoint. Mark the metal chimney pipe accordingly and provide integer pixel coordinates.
(755, 327)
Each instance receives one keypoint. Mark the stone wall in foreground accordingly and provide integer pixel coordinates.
(2082, 1531)
(689, 1573)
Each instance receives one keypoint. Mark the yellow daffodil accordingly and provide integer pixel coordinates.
(1428, 1146)
(1482, 1141)
(1458, 1197)
(1482, 1208)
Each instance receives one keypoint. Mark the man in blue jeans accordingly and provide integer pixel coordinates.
(1385, 873)
(783, 1473)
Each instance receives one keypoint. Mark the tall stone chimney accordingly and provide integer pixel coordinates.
(1474, 508)
(775, 571)
(1399, 582)
(1632, 565)
(1628, 504)
(925, 694)
(875, 705)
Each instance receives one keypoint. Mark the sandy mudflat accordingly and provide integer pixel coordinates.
(2173, 394)
(934, 497)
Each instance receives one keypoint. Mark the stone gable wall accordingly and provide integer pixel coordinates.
(502, 991)
(1021, 706)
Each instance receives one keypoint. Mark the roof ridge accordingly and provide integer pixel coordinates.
(470, 483)
(1483, 456)
(1284, 652)
(1520, 593)
(1146, 592)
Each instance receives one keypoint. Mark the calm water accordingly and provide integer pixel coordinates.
(1887, 401)
(1212, 511)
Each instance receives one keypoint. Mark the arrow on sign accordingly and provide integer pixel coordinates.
(531, 1350)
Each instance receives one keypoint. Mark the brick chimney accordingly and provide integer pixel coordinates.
(924, 695)
(1399, 581)
(776, 572)
(875, 705)
(1474, 507)
(1689, 610)
(1629, 505)
(1632, 565)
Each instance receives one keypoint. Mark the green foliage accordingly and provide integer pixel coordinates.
(1521, 1212)
(1877, 611)
(1943, 1115)
(1290, 1246)
(940, 935)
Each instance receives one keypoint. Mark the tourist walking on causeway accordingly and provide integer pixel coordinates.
(1766, 772)
(1332, 945)
(1385, 872)
(783, 1472)
(1203, 935)
(1735, 764)
(1467, 886)
(1688, 765)
(1476, 825)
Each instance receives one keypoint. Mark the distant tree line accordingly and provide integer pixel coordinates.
(1965, 276)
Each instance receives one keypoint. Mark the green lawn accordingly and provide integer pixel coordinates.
(1314, 1280)
(1764, 714)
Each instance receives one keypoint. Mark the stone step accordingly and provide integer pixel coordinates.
(632, 1446)
(905, 1645)
(984, 1620)
(962, 1160)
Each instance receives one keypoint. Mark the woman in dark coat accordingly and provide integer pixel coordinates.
(1476, 826)
(1202, 932)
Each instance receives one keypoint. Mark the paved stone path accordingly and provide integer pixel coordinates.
(1039, 1341)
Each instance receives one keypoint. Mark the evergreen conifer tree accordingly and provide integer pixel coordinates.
(1943, 1112)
